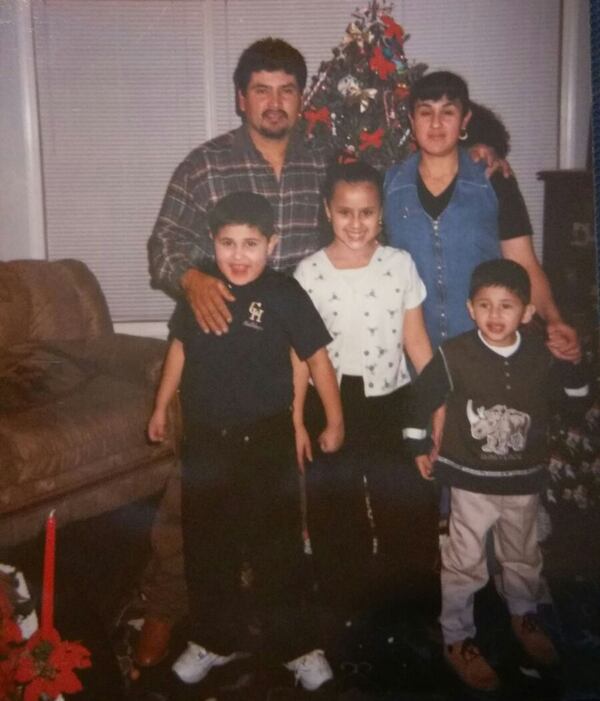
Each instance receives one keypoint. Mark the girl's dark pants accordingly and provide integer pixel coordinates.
(404, 512)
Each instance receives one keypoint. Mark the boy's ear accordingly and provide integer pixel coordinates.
(470, 309)
(273, 241)
(528, 313)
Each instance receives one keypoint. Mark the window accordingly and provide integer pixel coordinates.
(128, 87)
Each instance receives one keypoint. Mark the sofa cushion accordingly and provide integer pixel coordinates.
(81, 437)
(36, 373)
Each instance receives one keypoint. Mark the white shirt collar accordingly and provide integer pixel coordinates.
(504, 351)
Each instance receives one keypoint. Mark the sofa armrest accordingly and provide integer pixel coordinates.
(134, 358)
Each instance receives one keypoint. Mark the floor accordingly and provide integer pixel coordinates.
(395, 655)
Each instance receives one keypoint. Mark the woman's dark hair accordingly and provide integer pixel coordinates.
(434, 86)
(269, 55)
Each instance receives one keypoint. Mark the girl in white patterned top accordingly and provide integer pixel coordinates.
(364, 500)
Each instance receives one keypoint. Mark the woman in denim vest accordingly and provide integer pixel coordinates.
(443, 209)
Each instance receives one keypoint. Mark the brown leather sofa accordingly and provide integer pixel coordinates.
(74, 401)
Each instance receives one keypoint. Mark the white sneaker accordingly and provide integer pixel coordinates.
(195, 662)
(311, 670)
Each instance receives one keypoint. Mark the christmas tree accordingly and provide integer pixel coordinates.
(358, 101)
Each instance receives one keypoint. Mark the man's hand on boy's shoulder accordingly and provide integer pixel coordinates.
(207, 296)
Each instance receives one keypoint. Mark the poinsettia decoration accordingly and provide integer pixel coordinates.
(40, 668)
(358, 101)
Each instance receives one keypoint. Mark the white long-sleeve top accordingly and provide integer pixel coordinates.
(368, 308)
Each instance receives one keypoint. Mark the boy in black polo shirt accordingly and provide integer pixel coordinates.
(240, 496)
(500, 386)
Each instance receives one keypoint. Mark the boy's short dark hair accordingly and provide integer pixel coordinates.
(242, 208)
(434, 86)
(354, 172)
(501, 272)
(269, 54)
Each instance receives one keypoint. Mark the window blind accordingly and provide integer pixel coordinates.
(128, 87)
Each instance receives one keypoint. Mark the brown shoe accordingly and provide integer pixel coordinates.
(153, 642)
(471, 666)
(533, 639)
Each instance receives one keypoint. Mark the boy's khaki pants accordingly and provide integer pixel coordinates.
(512, 520)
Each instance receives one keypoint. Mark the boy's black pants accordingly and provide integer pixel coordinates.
(242, 526)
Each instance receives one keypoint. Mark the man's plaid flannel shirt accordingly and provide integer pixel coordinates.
(226, 164)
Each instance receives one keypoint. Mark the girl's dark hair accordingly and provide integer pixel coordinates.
(501, 272)
(242, 208)
(355, 172)
(269, 55)
(434, 86)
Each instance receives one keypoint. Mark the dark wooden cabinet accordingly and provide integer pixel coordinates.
(570, 249)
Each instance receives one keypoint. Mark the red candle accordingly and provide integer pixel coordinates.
(48, 583)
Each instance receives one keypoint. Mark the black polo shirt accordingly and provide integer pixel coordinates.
(246, 374)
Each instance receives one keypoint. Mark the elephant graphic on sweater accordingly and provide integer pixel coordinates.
(502, 428)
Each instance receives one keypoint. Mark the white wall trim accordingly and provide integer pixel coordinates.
(33, 157)
(575, 91)
(153, 329)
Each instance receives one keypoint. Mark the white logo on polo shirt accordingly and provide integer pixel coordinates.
(254, 319)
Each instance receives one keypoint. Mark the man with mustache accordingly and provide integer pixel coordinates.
(266, 155)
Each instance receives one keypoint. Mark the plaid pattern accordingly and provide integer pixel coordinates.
(230, 163)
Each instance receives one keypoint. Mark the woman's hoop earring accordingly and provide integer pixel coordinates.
(463, 135)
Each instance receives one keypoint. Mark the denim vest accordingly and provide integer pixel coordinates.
(447, 249)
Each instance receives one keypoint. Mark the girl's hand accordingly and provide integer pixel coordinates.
(303, 448)
(332, 438)
(425, 466)
(157, 426)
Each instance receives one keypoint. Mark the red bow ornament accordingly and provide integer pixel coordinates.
(373, 139)
(392, 29)
(313, 117)
(381, 65)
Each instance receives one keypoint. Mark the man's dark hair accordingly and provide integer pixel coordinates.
(269, 55)
(486, 127)
(354, 172)
(242, 208)
(501, 272)
(434, 86)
